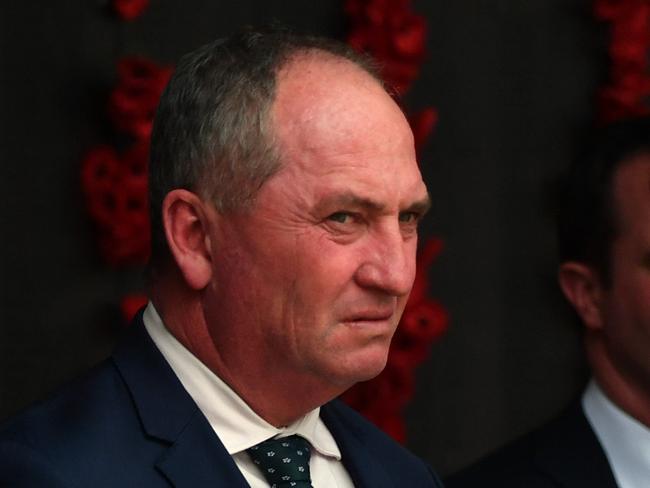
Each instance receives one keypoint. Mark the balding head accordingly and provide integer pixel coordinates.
(211, 133)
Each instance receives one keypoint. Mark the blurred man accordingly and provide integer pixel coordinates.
(285, 199)
(604, 243)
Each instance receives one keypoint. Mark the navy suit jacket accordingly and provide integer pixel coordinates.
(565, 453)
(130, 423)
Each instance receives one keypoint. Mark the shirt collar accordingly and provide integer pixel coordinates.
(235, 423)
(625, 440)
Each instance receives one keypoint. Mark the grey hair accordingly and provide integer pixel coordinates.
(212, 133)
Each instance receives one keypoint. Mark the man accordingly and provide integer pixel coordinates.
(604, 243)
(285, 199)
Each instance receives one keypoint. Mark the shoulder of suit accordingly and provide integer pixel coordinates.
(395, 457)
(67, 430)
(535, 459)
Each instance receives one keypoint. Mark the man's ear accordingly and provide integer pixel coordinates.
(582, 287)
(187, 230)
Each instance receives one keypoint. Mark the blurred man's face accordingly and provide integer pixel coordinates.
(626, 310)
(313, 281)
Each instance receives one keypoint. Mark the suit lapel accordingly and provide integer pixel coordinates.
(365, 470)
(197, 458)
(194, 455)
(572, 454)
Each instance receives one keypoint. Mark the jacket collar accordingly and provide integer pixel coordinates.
(365, 470)
(572, 455)
(195, 456)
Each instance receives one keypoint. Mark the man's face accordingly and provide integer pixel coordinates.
(313, 280)
(626, 311)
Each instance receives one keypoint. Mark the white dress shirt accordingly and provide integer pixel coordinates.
(625, 440)
(236, 424)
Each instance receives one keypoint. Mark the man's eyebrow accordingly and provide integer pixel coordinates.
(352, 200)
(421, 207)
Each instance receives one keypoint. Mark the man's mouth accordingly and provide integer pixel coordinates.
(378, 315)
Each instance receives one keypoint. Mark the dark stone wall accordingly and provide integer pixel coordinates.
(513, 82)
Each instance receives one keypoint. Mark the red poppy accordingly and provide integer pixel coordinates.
(131, 304)
(392, 33)
(628, 92)
(116, 197)
(129, 9)
(424, 321)
(132, 103)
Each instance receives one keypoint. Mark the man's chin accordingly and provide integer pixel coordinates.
(360, 368)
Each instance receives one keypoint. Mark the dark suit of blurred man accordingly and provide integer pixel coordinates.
(604, 237)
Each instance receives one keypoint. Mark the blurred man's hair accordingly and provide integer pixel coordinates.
(587, 217)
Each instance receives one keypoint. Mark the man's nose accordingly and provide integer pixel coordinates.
(388, 264)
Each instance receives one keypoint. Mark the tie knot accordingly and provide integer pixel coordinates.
(284, 462)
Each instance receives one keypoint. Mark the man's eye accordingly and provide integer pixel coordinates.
(340, 217)
(408, 217)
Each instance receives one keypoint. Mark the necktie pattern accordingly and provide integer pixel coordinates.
(284, 462)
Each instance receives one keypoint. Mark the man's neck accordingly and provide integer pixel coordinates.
(280, 403)
(625, 391)
(279, 397)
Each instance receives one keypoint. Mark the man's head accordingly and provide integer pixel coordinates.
(301, 290)
(604, 232)
(212, 133)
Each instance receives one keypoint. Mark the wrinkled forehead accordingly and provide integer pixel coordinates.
(321, 100)
(338, 130)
